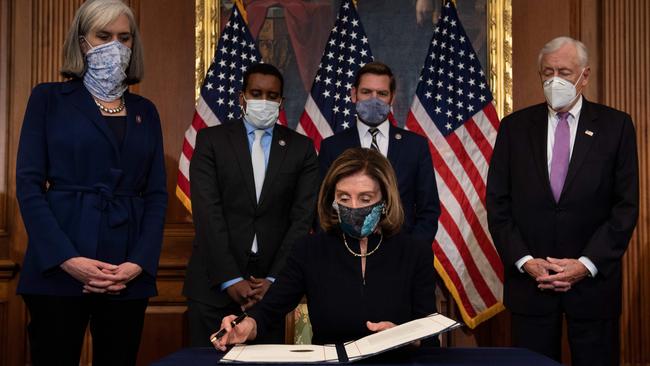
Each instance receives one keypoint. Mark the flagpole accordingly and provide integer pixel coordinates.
(242, 9)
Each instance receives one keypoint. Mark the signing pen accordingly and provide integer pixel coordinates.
(222, 331)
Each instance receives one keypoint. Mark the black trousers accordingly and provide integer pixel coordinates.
(58, 323)
(592, 342)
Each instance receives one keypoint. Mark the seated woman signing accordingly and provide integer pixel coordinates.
(361, 274)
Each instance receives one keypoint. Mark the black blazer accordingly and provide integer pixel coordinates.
(226, 213)
(399, 286)
(595, 216)
(409, 155)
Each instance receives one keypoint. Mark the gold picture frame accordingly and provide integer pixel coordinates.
(499, 35)
(499, 40)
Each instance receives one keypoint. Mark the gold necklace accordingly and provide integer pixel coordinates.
(381, 238)
(117, 109)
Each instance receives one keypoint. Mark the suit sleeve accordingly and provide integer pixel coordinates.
(424, 282)
(427, 203)
(325, 158)
(146, 252)
(207, 212)
(47, 241)
(505, 233)
(608, 244)
(303, 206)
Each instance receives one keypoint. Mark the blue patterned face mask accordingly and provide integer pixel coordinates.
(372, 111)
(106, 67)
(359, 222)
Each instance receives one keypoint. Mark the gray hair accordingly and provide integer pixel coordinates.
(557, 43)
(97, 14)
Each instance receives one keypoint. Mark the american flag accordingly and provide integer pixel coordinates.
(219, 98)
(453, 109)
(329, 108)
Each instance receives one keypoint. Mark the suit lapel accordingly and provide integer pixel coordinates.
(538, 134)
(133, 116)
(83, 101)
(279, 147)
(350, 138)
(582, 142)
(239, 142)
(394, 142)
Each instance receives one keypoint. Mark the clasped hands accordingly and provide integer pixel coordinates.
(100, 277)
(247, 292)
(555, 274)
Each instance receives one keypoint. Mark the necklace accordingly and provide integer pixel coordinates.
(381, 238)
(117, 109)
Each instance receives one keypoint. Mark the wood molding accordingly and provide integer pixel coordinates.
(165, 330)
(8, 269)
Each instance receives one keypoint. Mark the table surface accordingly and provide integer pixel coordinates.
(422, 356)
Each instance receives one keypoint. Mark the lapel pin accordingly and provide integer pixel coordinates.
(138, 119)
(589, 133)
(398, 136)
(282, 143)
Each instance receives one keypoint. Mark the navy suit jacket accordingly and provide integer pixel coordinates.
(409, 155)
(82, 194)
(595, 216)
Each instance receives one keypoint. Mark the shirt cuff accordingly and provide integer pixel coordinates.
(272, 279)
(520, 263)
(227, 284)
(591, 267)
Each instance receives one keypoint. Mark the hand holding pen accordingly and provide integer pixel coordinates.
(234, 330)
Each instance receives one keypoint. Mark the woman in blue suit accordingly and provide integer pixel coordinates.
(90, 182)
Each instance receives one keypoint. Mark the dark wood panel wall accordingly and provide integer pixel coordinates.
(31, 37)
(625, 79)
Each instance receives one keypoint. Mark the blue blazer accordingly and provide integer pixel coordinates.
(82, 194)
(409, 155)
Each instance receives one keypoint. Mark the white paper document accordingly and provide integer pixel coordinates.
(352, 351)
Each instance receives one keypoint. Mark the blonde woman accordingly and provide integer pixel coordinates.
(350, 270)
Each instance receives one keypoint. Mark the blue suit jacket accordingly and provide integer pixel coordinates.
(82, 194)
(409, 155)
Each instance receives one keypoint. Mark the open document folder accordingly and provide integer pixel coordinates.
(352, 351)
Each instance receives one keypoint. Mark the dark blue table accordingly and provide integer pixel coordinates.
(423, 356)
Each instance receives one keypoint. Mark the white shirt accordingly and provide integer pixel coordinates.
(553, 119)
(382, 137)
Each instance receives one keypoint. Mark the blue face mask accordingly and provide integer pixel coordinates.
(106, 67)
(359, 222)
(372, 111)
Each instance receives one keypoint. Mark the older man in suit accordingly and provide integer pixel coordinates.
(254, 186)
(562, 202)
(408, 153)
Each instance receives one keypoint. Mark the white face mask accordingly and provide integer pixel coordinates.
(261, 113)
(559, 92)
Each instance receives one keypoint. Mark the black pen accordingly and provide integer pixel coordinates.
(222, 332)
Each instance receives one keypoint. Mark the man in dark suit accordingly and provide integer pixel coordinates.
(562, 202)
(254, 186)
(408, 153)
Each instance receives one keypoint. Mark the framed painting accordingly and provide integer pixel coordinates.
(398, 33)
